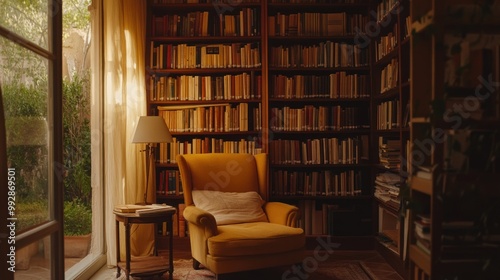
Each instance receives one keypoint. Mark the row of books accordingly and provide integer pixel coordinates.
(460, 238)
(386, 43)
(316, 183)
(167, 152)
(407, 27)
(388, 114)
(385, 9)
(335, 85)
(389, 76)
(318, 218)
(168, 182)
(207, 23)
(212, 118)
(325, 54)
(184, 56)
(422, 229)
(315, 24)
(319, 151)
(322, 118)
(387, 188)
(243, 86)
(246, 23)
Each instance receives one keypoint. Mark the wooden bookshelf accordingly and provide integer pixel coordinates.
(279, 77)
(390, 118)
(313, 97)
(205, 77)
(458, 244)
(318, 93)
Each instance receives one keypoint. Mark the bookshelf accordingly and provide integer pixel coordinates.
(204, 77)
(454, 231)
(390, 98)
(293, 79)
(318, 91)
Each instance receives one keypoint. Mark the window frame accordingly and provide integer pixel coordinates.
(54, 227)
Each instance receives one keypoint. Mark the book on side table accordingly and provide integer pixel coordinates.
(143, 210)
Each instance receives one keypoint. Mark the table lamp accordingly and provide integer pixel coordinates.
(150, 130)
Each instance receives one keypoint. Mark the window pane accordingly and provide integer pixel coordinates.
(33, 261)
(27, 18)
(24, 77)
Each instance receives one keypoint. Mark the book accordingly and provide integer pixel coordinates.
(423, 174)
(154, 209)
(129, 208)
(336, 24)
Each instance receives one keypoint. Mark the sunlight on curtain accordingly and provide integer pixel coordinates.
(125, 101)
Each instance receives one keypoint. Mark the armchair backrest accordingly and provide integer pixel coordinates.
(223, 172)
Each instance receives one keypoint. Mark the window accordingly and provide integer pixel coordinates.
(30, 55)
(41, 94)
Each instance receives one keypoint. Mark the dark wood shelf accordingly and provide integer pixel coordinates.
(204, 102)
(316, 166)
(318, 7)
(387, 131)
(320, 197)
(205, 39)
(214, 6)
(319, 132)
(216, 133)
(392, 93)
(389, 207)
(386, 59)
(319, 69)
(202, 71)
(306, 100)
(310, 39)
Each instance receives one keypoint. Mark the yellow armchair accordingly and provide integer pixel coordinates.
(231, 225)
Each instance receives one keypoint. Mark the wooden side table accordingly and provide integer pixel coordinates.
(148, 265)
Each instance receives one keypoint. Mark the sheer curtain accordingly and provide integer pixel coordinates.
(124, 101)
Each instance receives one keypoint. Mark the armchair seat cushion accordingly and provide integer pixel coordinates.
(259, 238)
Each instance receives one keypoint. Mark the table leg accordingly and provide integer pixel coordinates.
(155, 249)
(117, 248)
(127, 248)
(170, 248)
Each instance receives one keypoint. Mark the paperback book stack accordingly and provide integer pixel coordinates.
(422, 233)
(387, 186)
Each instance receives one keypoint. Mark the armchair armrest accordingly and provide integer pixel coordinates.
(201, 219)
(281, 213)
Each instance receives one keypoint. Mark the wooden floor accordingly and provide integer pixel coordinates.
(373, 260)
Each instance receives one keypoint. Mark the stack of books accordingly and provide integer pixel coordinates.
(144, 210)
(423, 233)
(387, 187)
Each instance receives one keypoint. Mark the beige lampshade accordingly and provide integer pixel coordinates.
(151, 129)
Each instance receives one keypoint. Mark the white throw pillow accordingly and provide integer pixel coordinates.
(231, 207)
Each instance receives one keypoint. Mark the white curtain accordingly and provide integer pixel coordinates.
(124, 101)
